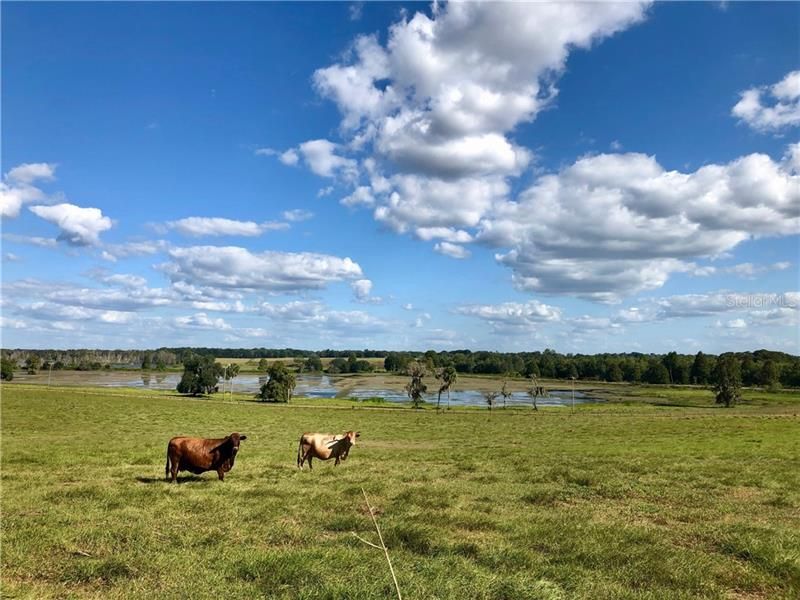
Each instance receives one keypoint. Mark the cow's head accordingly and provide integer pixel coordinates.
(351, 437)
(232, 442)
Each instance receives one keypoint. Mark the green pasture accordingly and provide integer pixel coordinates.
(664, 496)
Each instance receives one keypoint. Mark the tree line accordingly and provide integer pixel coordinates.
(763, 368)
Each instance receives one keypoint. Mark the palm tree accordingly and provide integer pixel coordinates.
(416, 387)
(448, 377)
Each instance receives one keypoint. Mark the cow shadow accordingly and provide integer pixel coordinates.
(180, 479)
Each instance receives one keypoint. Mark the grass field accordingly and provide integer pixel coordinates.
(622, 500)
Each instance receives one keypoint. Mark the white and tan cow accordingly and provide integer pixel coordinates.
(325, 446)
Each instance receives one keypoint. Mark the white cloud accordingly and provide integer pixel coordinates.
(218, 306)
(232, 267)
(297, 214)
(434, 107)
(361, 288)
(17, 188)
(114, 252)
(355, 9)
(451, 250)
(299, 315)
(784, 111)
(510, 316)
(79, 226)
(201, 321)
(612, 225)
(289, 158)
(216, 226)
(322, 158)
(447, 234)
(8, 323)
(30, 172)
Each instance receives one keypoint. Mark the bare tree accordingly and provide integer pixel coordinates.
(536, 391)
(490, 398)
(505, 392)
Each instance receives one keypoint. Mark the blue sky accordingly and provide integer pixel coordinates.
(591, 177)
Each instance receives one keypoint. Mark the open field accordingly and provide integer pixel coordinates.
(621, 500)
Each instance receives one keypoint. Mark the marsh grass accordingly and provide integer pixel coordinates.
(614, 501)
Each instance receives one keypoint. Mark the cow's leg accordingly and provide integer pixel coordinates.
(221, 474)
(336, 464)
(174, 472)
(309, 457)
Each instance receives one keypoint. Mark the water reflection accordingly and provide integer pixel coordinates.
(324, 386)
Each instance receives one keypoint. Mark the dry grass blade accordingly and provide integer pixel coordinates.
(382, 546)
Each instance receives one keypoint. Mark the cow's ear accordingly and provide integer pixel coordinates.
(242, 437)
(358, 434)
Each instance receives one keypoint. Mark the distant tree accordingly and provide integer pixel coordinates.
(32, 364)
(352, 363)
(447, 377)
(727, 380)
(279, 386)
(750, 371)
(337, 365)
(532, 369)
(7, 369)
(146, 362)
(701, 369)
(313, 364)
(363, 366)
(632, 371)
(614, 373)
(572, 371)
(769, 374)
(263, 365)
(670, 361)
(416, 388)
(656, 373)
(200, 375)
(490, 398)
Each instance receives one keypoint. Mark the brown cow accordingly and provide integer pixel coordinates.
(199, 455)
(325, 446)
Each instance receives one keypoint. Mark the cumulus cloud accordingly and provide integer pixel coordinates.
(451, 250)
(513, 315)
(615, 224)
(17, 186)
(216, 226)
(201, 321)
(114, 252)
(771, 108)
(297, 214)
(79, 226)
(232, 267)
(298, 315)
(434, 107)
(361, 288)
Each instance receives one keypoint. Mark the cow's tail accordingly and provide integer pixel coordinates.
(300, 453)
(166, 468)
